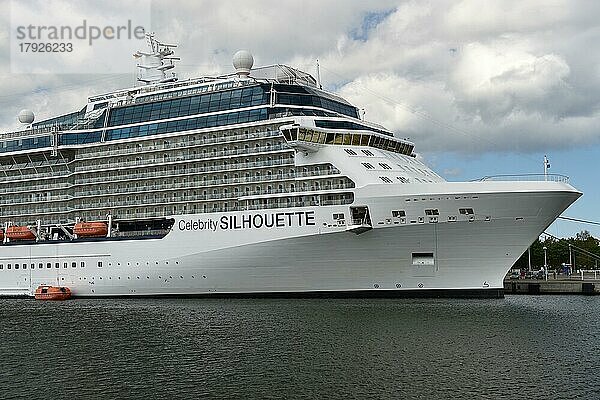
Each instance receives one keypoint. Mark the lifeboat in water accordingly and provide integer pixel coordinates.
(19, 233)
(90, 229)
(46, 292)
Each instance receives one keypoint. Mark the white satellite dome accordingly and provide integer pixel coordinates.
(242, 62)
(26, 116)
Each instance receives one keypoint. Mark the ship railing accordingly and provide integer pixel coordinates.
(34, 211)
(17, 177)
(182, 144)
(33, 165)
(178, 158)
(210, 183)
(150, 162)
(37, 199)
(191, 171)
(30, 131)
(30, 188)
(189, 92)
(215, 196)
(525, 178)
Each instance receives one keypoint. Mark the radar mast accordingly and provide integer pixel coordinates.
(155, 65)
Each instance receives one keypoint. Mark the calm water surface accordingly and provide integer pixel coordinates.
(544, 347)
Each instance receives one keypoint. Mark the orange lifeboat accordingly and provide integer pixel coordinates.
(46, 292)
(1, 235)
(19, 233)
(90, 229)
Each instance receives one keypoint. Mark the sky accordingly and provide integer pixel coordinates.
(481, 87)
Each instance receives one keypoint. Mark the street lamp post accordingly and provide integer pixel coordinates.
(570, 260)
(546, 262)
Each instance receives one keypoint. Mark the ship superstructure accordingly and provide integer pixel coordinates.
(253, 182)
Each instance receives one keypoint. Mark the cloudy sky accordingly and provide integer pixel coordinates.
(481, 87)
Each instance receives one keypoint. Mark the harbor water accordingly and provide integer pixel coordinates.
(535, 347)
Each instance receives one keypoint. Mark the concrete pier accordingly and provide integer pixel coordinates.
(551, 286)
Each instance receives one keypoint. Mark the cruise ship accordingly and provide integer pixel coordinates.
(254, 183)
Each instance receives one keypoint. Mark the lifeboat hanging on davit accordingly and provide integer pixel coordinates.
(1, 235)
(90, 229)
(46, 292)
(19, 233)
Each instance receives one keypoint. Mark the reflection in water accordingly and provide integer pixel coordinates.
(519, 347)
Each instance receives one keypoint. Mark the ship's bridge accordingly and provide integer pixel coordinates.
(301, 135)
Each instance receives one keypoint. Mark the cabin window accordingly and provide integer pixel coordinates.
(99, 264)
(82, 265)
(57, 265)
(48, 265)
(433, 211)
(8, 266)
(65, 265)
(73, 265)
(466, 211)
(1, 266)
(16, 266)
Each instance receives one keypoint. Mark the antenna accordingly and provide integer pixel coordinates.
(319, 75)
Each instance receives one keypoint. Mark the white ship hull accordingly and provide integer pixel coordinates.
(304, 251)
